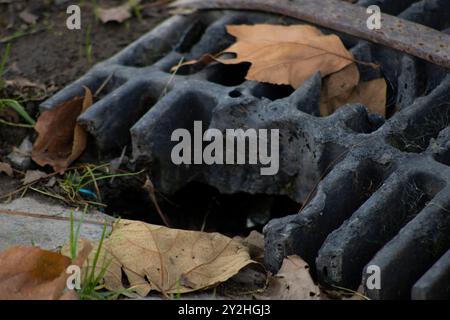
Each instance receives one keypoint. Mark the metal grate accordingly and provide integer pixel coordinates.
(377, 192)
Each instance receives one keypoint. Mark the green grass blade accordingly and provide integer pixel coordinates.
(17, 107)
(5, 57)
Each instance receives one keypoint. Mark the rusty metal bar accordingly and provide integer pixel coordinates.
(409, 37)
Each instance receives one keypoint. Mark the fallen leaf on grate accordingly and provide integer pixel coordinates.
(29, 273)
(292, 282)
(61, 140)
(344, 87)
(169, 260)
(291, 54)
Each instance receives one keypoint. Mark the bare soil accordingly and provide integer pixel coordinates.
(50, 55)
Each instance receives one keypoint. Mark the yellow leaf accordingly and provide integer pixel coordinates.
(170, 260)
(287, 54)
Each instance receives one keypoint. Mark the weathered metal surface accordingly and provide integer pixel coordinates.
(435, 283)
(376, 191)
(406, 36)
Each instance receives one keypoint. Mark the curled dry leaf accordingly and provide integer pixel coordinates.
(169, 260)
(33, 274)
(287, 54)
(293, 282)
(61, 140)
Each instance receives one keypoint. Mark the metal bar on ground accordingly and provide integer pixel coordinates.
(406, 36)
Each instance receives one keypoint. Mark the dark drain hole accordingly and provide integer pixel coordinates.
(198, 206)
(235, 94)
(272, 91)
(443, 158)
(227, 75)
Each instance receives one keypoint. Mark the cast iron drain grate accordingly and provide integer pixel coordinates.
(381, 189)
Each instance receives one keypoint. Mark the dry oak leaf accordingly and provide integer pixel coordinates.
(170, 260)
(33, 274)
(61, 140)
(292, 282)
(286, 54)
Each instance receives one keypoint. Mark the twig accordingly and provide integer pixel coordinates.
(151, 193)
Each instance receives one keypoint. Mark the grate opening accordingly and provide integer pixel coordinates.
(272, 91)
(333, 154)
(227, 75)
(197, 206)
(348, 249)
(344, 194)
(365, 123)
(443, 158)
(416, 137)
(191, 37)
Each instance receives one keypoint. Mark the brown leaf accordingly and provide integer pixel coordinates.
(169, 260)
(293, 282)
(32, 273)
(372, 94)
(287, 54)
(343, 87)
(255, 244)
(6, 168)
(61, 140)
(33, 176)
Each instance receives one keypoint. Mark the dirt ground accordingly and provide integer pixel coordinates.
(50, 56)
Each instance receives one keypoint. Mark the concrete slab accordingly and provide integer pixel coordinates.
(30, 220)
